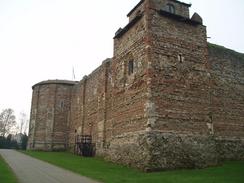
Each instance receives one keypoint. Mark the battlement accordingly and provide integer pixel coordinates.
(168, 8)
(171, 6)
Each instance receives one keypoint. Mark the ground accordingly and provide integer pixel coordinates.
(6, 173)
(31, 170)
(229, 172)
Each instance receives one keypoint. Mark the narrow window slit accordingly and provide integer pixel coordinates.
(131, 67)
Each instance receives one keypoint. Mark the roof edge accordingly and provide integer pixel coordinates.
(121, 32)
(142, 1)
(180, 2)
(47, 82)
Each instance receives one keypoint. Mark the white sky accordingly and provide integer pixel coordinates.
(44, 39)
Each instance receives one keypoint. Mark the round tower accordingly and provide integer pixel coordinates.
(49, 115)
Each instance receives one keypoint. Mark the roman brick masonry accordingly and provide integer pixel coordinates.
(166, 100)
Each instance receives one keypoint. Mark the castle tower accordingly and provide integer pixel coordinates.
(49, 115)
(160, 59)
(181, 120)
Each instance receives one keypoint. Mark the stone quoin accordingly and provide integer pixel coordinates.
(167, 99)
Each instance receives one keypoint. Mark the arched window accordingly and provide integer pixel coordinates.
(170, 8)
(130, 67)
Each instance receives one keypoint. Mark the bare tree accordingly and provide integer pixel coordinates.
(24, 122)
(26, 127)
(7, 121)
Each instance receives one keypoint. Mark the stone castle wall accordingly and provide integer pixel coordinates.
(227, 101)
(166, 100)
(90, 106)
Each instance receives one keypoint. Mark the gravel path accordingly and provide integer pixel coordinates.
(31, 170)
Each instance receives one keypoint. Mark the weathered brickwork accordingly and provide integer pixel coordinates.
(166, 100)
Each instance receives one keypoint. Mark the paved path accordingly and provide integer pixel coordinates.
(30, 170)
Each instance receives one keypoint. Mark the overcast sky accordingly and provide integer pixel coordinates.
(44, 39)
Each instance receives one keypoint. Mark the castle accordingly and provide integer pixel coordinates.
(167, 99)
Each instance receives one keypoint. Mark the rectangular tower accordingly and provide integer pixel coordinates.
(171, 80)
(181, 123)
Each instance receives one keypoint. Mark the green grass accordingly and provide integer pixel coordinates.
(230, 172)
(6, 174)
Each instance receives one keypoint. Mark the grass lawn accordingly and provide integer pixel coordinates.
(6, 174)
(230, 172)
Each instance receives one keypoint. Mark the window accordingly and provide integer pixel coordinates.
(180, 58)
(62, 104)
(131, 67)
(170, 8)
(138, 13)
